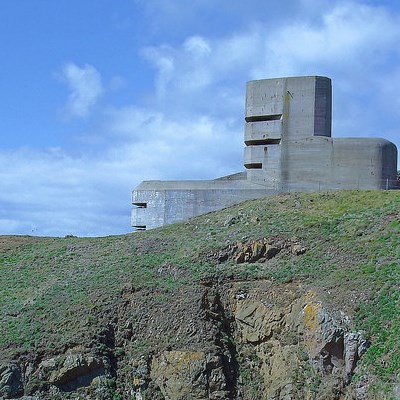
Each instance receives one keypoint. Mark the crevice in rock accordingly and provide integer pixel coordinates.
(332, 355)
(107, 341)
(216, 313)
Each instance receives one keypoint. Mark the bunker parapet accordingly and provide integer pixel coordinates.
(288, 147)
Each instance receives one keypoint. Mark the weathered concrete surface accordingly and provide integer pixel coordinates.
(158, 203)
(302, 104)
(288, 143)
(288, 147)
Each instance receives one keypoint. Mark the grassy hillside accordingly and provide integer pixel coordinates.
(56, 293)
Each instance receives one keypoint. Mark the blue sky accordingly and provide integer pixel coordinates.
(98, 95)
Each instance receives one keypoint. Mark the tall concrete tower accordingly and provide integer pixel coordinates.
(280, 112)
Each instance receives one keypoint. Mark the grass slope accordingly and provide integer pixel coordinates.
(53, 291)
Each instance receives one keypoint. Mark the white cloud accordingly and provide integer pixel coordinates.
(165, 65)
(85, 88)
(199, 62)
(50, 192)
(168, 148)
(197, 45)
(351, 36)
(348, 37)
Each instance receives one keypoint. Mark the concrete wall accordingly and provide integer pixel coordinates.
(319, 163)
(158, 203)
(303, 104)
(279, 111)
(288, 147)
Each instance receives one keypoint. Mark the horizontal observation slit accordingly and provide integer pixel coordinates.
(263, 118)
(140, 205)
(262, 141)
(253, 165)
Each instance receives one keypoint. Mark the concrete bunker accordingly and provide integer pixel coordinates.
(288, 147)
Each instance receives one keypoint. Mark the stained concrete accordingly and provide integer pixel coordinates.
(288, 147)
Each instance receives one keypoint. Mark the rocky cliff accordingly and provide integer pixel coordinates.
(267, 300)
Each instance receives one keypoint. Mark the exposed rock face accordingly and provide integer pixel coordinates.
(10, 381)
(189, 374)
(255, 321)
(258, 250)
(331, 347)
(243, 340)
(172, 372)
(295, 344)
(77, 370)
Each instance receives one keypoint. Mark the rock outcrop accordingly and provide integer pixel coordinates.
(251, 340)
(10, 381)
(259, 250)
(77, 370)
(295, 344)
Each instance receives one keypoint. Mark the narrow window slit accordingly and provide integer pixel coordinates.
(262, 141)
(140, 205)
(263, 118)
(253, 165)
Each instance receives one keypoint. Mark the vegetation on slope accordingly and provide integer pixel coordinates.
(55, 291)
